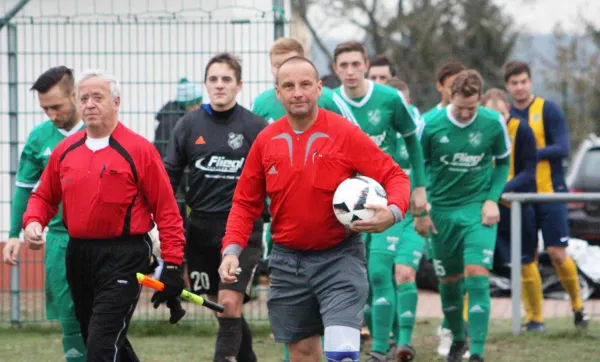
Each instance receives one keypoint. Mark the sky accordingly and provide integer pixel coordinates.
(540, 16)
(531, 16)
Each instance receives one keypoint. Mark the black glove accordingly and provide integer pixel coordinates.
(177, 312)
(173, 280)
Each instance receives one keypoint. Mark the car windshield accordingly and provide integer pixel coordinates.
(590, 174)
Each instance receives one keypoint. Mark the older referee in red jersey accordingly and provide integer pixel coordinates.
(317, 267)
(113, 187)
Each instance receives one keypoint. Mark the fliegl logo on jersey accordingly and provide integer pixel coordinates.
(220, 164)
(462, 159)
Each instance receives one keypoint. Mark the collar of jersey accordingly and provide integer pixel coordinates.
(319, 124)
(73, 130)
(456, 122)
(363, 101)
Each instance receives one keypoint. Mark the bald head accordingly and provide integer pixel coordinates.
(293, 64)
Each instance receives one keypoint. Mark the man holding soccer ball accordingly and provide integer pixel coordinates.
(317, 266)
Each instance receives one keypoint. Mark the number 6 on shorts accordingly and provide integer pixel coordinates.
(439, 268)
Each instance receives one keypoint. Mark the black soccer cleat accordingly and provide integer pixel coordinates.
(476, 358)
(405, 353)
(457, 350)
(581, 319)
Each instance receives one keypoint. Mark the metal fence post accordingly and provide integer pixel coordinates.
(13, 108)
(515, 265)
(279, 19)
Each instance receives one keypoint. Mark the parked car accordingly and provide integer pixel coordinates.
(584, 176)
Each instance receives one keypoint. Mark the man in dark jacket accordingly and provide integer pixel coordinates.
(188, 98)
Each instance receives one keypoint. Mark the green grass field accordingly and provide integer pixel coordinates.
(156, 343)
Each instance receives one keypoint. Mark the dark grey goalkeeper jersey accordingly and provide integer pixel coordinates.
(214, 145)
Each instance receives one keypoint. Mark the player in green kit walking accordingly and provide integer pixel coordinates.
(407, 260)
(464, 188)
(382, 113)
(445, 74)
(56, 95)
(268, 106)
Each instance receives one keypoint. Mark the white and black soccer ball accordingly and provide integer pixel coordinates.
(353, 194)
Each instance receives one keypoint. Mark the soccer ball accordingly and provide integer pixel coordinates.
(351, 196)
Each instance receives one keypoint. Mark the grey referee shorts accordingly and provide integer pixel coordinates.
(311, 290)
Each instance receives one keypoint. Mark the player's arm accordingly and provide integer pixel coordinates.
(526, 157)
(556, 130)
(248, 203)
(44, 201)
(405, 124)
(501, 150)
(28, 175)
(155, 186)
(368, 159)
(176, 158)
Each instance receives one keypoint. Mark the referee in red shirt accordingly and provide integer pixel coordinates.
(317, 267)
(113, 186)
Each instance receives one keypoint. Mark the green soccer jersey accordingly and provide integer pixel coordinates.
(403, 159)
(270, 108)
(382, 114)
(459, 156)
(432, 112)
(37, 150)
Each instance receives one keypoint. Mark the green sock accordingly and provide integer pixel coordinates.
(368, 315)
(406, 310)
(73, 345)
(396, 324)
(384, 298)
(479, 312)
(452, 305)
(286, 353)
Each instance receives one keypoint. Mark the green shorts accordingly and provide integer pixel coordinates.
(410, 250)
(461, 239)
(386, 242)
(59, 304)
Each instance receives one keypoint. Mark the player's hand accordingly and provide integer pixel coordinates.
(229, 269)
(418, 201)
(490, 214)
(379, 222)
(172, 278)
(424, 224)
(10, 253)
(33, 235)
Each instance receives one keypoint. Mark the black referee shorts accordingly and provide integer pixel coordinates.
(102, 277)
(204, 236)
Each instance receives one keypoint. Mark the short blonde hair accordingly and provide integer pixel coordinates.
(495, 95)
(286, 45)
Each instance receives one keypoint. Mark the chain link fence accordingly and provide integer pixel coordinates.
(149, 45)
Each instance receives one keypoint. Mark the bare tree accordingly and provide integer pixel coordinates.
(476, 32)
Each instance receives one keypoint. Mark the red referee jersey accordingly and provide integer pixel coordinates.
(109, 193)
(300, 173)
